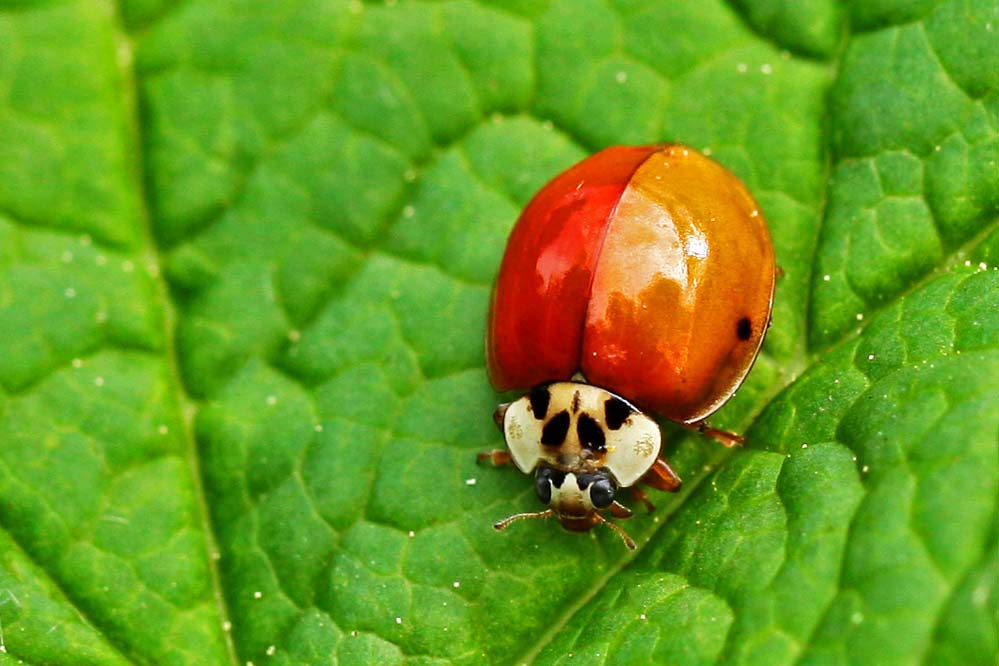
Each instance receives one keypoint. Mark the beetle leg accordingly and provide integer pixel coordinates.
(662, 477)
(499, 414)
(640, 496)
(619, 510)
(496, 456)
(723, 437)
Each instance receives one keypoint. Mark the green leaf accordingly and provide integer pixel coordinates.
(246, 251)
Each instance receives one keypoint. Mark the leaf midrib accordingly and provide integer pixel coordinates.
(186, 406)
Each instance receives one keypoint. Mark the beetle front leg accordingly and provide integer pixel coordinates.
(497, 456)
(723, 437)
(662, 477)
(499, 414)
(640, 495)
(619, 510)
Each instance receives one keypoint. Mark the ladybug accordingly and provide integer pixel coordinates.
(639, 281)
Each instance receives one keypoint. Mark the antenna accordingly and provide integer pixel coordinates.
(502, 524)
(628, 541)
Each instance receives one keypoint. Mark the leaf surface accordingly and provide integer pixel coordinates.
(246, 251)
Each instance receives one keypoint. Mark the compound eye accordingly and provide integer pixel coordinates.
(602, 492)
(543, 485)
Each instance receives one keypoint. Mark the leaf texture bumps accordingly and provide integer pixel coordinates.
(246, 250)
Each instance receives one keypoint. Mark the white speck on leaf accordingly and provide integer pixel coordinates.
(742, 67)
(127, 266)
(272, 400)
(621, 77)
(98, 381)
(766, 68)
(871, 357)
(258, 594)
(110, 518)
(70, 292)
(470, 482)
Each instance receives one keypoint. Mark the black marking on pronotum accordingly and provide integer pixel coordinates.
(554, 432)
(575, 402)
(591, 435)
(744, 329)
(539, 397)
(616, 412)
(557, 477)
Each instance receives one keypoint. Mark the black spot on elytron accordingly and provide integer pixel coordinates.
(591, 435)
(744, 329)
(575, 402)
(539, 397)
(602, 492)
(616, 412)
(554, 432)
